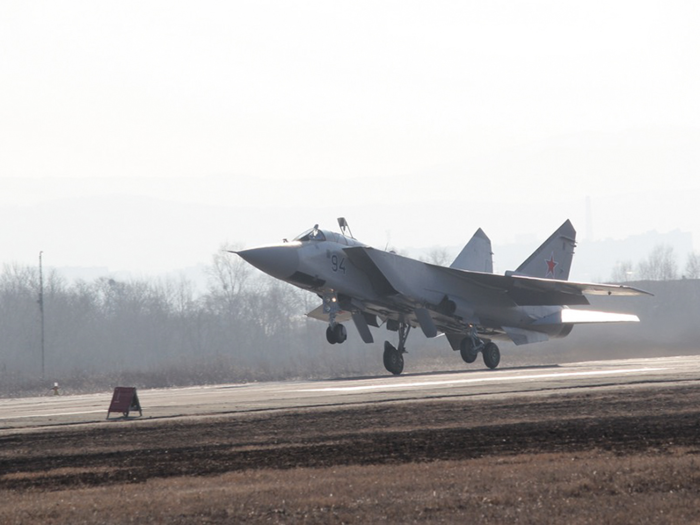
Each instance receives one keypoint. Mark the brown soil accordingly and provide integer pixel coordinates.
(382, 440)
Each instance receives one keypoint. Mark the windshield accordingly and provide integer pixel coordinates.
(314, 234)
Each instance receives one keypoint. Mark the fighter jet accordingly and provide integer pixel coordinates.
(467, 302)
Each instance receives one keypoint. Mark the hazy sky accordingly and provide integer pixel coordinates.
(141, 135)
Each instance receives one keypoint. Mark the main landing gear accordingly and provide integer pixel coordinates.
(471, 345)
(393, 357)
(492, 355)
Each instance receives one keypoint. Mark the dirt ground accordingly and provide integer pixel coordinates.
(625, 456)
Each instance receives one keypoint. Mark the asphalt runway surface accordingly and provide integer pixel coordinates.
(596, 442)
(25, 414)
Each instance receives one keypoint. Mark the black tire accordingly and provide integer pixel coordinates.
(492, 356)
(330, 335)
(466, 350)
(340, 333)
(393, 359)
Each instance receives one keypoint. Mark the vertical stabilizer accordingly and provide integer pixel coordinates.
(553, 259)
(476, 256)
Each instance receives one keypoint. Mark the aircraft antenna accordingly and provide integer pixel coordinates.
(344, 226)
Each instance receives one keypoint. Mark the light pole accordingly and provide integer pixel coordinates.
(41, 311)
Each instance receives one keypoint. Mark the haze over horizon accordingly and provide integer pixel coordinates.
(141, 136)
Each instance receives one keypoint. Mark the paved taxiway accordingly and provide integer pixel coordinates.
(51, 411)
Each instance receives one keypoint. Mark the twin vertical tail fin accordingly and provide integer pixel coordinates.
(553, 259)
(476, 256)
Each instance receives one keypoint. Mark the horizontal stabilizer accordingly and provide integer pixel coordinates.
(522, 281)
(525, 290)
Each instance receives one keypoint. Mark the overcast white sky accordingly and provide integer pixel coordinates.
(141, 135)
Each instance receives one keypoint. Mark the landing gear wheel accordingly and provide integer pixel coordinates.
(467, 351)
(492, 356)
(340, 333)
(393, 359)
(330, 335)
(336, 334)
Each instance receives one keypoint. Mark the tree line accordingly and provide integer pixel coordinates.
(660, 265)
(245, 326)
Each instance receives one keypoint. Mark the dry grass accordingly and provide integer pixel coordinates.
(626, 456)
(587, 487)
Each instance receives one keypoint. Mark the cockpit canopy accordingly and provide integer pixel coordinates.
(313, 234)
(316, 235)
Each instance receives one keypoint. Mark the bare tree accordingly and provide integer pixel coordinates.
(439, 256)
(622, 272)
(692, 266)
(660, 265)
(228, 273)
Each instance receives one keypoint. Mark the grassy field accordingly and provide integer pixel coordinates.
(588, 487)
(628, 456)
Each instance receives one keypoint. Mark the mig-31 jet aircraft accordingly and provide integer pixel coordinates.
(467, 302)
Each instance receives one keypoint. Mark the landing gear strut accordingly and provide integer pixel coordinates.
(393, 357)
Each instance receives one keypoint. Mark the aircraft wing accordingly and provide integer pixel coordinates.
(535, 290)
(576, 287)
(361, 258)
(522, 289)
(389, 279)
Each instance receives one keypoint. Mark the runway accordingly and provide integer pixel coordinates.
(219, 400)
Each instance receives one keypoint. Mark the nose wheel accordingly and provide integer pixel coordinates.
(336, 334)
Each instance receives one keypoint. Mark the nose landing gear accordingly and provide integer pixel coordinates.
(336, 334)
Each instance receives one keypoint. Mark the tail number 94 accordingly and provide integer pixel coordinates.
(337, 263)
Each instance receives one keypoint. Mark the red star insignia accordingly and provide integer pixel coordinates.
(551, 264)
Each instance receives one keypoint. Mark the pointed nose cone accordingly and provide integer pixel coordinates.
(279, 261)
